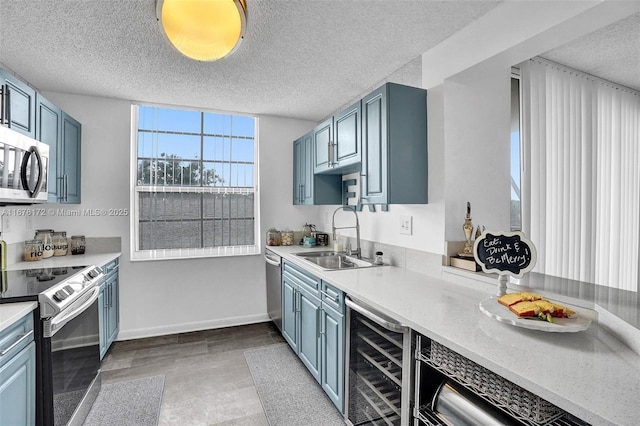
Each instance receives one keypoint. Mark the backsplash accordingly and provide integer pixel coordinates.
(419, 261)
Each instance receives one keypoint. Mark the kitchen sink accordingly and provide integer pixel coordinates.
(330, 260)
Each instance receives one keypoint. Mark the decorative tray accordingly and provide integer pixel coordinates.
(579, 322)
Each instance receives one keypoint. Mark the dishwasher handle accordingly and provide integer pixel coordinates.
(392, 326)
(272, 260)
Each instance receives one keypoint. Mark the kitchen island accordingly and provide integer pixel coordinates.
(590, 374)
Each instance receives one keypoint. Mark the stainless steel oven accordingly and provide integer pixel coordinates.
(379, 381)
(67, 338)
(71, 360)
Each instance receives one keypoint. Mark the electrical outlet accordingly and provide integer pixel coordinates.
(29, 223)
(406, 225)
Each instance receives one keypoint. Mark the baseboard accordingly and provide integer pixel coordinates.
(141, 333)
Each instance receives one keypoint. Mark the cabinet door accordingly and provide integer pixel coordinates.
(308, 186)
(19, 105)
(289, 315)
(322, 145)
(333, 355)
(374, 178)
(102, 319)
(18, 388)
(71, 138)
(112, 303)
(309, 343)
(298, 171)
(346, 151)
(49, 131)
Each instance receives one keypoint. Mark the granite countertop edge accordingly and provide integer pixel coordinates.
(564, 366)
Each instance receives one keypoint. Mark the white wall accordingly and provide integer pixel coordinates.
(160, 297)
(467, 142)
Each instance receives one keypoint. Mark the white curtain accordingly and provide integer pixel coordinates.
(580, 177)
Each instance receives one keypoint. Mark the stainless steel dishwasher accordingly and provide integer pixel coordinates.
(379, 360)
(273, 266)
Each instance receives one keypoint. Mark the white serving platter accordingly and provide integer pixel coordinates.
(493, 309)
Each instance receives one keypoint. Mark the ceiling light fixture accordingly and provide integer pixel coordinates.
(204, 30)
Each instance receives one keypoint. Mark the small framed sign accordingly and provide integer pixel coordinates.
(505, 253)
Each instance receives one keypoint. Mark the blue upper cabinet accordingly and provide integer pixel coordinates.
(322, 145)
(49, 131)
(69, 168)
(394, 146)
(309, 188)
(337, 142)
(18, 104)
(63, 135)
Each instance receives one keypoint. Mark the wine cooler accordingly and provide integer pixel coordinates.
(380, 360)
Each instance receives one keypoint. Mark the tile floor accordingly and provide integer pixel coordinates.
(207, 380)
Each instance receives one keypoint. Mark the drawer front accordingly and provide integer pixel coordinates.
(110, 267)
(311, 283)
(333, 297)
(16, 337)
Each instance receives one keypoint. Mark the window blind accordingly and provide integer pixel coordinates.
(195, 193)
(581, 185)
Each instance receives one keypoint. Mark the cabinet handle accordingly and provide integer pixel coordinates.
(2, 99)
(293, 305)
(65, 187)
(329, 154)
(59, 188)
(301, 192)
(318, 322)
(16, 343)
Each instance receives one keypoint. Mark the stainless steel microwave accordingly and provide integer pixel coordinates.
(24, 168)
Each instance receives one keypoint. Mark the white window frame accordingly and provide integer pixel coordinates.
(188, 253)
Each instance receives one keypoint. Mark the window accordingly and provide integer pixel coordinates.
(516, 206)
(195, 188)
(581, 182)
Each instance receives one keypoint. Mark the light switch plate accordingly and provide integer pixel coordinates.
(406, 225)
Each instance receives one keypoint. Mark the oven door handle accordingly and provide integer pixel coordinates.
(58, 322)
(392, 326)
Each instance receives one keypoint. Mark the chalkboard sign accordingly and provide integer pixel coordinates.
(504, 253)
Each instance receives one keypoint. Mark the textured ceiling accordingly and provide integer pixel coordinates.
(299, 58)
(611, 53)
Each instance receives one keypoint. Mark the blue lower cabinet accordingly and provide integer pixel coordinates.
(310, 332)
(314, 328)
(18, 388)
(109, 307)
(289, 314)
(332, 368)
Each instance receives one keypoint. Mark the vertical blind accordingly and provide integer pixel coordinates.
(581, 184)
(195, 192)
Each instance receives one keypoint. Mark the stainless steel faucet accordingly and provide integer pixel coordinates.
(357, 252)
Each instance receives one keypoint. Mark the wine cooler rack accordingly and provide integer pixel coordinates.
(435, 363)
(376, 376)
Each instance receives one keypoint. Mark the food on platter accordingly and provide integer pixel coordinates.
(525, 309)
(533, 306)
(523, 296)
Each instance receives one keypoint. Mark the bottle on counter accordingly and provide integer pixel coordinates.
(46, 237)
(60, 243)
(78, 244)
(286, 237)
(3, 254)
(273, 237)
(32, 250)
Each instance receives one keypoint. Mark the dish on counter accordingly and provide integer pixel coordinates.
(499, 312)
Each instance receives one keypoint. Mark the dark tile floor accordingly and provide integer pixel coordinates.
(207, 380)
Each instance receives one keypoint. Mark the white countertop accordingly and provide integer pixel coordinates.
(12, 312)
(589, 374)
(87, 259)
